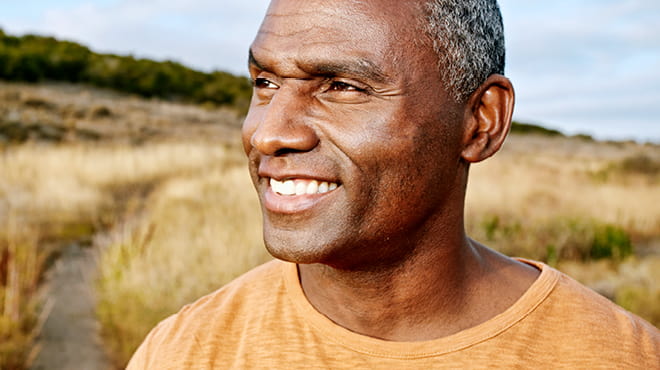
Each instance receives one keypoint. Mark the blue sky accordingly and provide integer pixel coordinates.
(581, 66)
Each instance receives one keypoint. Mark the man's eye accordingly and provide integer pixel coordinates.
(263, 83)
(343, 86)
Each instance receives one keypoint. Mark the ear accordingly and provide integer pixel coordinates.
(488, 118)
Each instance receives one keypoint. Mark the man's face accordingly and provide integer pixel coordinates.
(354, 144)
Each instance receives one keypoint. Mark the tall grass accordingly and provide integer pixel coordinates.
(51, 194)
(197, 234)
(21, 263)
(523, 201)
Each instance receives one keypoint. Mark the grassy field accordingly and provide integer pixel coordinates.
(160, 190)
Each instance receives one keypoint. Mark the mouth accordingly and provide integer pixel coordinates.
(298, 195)
(291, 187)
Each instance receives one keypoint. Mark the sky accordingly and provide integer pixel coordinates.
(580, 66)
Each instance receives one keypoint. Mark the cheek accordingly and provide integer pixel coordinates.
(417, 169)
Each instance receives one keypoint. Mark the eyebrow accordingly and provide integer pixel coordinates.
(360, 67)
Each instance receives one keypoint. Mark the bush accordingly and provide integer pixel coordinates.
(34, 58)
(610, 242)
(553, 240)
(640, 164)
(527, 128)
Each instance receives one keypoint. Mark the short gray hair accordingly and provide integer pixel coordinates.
(468, 37)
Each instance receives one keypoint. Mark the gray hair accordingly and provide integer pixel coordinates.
(468, 37)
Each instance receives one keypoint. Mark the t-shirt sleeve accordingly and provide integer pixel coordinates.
(140, 359)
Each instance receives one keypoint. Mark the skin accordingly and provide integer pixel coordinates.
(350, 92)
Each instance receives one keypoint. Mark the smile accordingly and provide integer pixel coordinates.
(301, 186)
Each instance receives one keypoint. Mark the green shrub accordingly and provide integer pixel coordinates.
(553, 240)
(640, 164)
(527, 128)
(610, 242)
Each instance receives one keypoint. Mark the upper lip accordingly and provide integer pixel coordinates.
(282, 174)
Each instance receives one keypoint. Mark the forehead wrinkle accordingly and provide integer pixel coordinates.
(283, 33)
(358, 67)
(288, 41)
(305, 19)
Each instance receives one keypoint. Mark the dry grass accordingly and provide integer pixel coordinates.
(21, 263)
(539, 184)
(59, 185)
(101, 115)
(525, 201)
(59, 189)
(51, 194)
(198, 234)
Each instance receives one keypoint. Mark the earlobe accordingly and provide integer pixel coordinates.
(488, 118)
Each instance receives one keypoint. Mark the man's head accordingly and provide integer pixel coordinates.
(357, 143)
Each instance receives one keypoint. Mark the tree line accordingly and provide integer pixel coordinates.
(33, 58)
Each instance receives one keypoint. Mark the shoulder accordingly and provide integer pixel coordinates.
(219, 315)
(580, 323)
(584, 304)
(254, 286)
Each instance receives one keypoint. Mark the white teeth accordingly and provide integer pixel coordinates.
(300, 187)
(313, 187)
(284, 188)
(288, 188)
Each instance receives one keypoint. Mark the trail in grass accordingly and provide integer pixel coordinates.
(70, 336)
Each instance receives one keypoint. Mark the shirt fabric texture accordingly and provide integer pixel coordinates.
(263, 320)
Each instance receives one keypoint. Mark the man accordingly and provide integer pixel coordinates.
(365, 118)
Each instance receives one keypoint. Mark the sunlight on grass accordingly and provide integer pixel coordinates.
(50, 195)
(21, 263)
(197, 234)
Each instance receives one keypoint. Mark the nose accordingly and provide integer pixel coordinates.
(279, 126)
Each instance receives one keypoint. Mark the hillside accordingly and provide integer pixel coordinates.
(33, 58)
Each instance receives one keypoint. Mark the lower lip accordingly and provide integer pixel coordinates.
(290, 204)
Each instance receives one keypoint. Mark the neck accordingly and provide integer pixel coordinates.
(438, 290)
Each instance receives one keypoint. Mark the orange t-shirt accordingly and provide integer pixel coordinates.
(263, 320)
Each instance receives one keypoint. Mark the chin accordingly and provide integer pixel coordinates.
(302, 242)
(294, 253)
(303, 247)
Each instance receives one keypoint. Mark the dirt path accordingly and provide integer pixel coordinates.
(70, 339)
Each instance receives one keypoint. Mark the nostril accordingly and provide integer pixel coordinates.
(285, 151)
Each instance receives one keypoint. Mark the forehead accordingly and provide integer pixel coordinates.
(295, 31)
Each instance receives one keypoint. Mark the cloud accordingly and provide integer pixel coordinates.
(587, 65)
